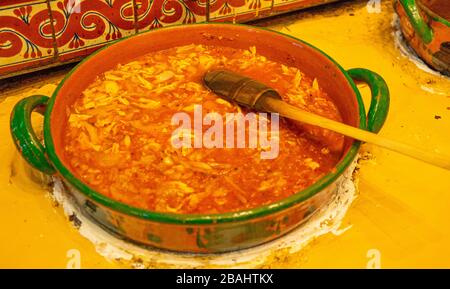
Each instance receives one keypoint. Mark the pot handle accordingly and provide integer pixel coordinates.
(416, 20)
(379, 105)
(24, 136)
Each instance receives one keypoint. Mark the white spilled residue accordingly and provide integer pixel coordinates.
(432, 90)
(326, 220)
(338, 232)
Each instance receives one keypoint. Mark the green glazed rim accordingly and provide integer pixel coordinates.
(422, 28)
(418, 23)
(204, 218)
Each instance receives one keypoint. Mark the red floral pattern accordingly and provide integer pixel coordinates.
(159, 13)
(26, 37)
(29, 39)
(238, 10)
(23, 30)
(84, 26)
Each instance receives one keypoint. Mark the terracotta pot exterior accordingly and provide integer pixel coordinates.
(434, 51)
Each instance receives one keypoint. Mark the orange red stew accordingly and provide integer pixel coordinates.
(118, 138)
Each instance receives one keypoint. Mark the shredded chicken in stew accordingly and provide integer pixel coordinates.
(118, 137)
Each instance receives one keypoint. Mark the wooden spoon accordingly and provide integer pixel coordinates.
(255, 95)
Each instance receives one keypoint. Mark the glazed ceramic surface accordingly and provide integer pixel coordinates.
(200, 233)
(426, 32)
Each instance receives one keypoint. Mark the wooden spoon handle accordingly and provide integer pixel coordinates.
(271, 104)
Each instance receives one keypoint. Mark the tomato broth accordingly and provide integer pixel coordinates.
(119, 134)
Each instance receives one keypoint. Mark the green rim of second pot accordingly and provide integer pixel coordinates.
(416, 20)
(424, 31)
(202, 218)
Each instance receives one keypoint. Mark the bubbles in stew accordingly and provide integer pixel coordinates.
(118, 136)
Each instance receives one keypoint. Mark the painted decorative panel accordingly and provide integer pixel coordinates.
(26, 38)
(35, 34)
(158, 13)
(82, 26)
(238, 10)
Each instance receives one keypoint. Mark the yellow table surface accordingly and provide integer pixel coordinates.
(399, 219)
